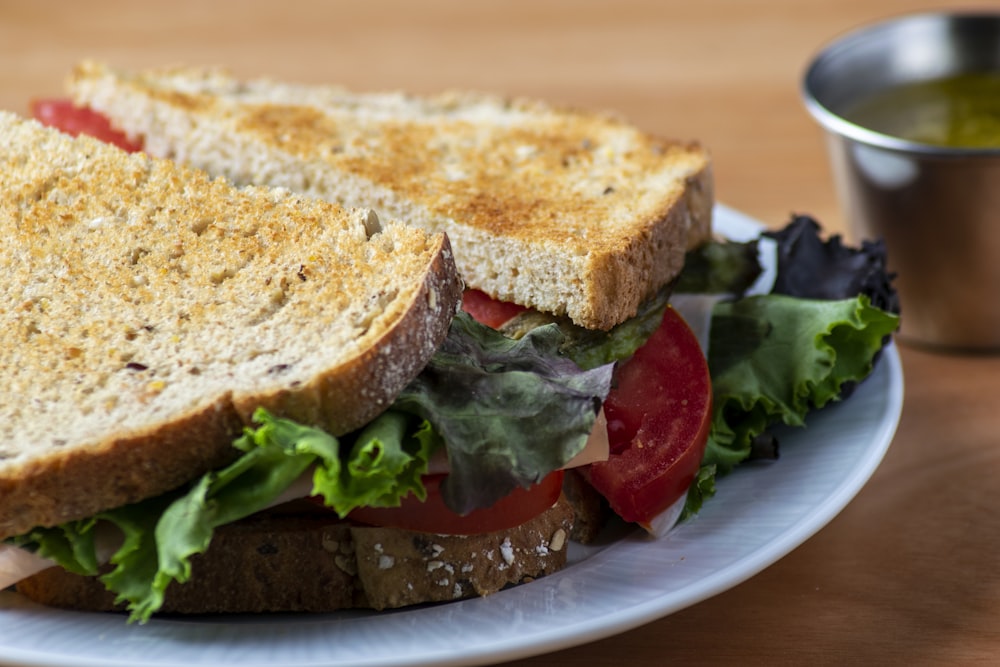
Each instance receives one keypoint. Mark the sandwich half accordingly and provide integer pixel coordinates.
(566, 212)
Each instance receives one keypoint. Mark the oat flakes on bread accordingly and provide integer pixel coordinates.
(568, 212)
(151, 309)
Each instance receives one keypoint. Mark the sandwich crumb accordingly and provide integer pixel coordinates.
(507, 551)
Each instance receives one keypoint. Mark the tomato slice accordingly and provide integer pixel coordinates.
(63, 115)
(659, 413)
(488, 310)
(433, 516)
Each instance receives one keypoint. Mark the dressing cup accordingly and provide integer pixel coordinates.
(937, 207)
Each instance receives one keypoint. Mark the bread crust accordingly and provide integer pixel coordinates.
(569, 212)
(76, 483)
(138, 351)
(295, 561)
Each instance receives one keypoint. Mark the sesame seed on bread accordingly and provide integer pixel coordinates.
(572, 213)
(149, 309)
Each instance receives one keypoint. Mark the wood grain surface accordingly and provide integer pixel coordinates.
(907, 573)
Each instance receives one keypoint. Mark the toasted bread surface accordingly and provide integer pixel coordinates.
(572, 213)
(312, 562)
(149, 310)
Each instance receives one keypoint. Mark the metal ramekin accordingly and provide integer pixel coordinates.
(937, 208)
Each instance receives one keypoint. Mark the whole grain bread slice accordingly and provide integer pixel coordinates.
(148, 310)
(306, 561)
(569, 212)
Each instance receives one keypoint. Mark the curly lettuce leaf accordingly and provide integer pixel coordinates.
(775, 358)
(70, 544)
(162, 534)
(385, 462)
(509, 411)
(812, 268)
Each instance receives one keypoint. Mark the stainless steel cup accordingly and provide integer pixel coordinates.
(937, 208)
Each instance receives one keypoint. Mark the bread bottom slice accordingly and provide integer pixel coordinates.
(311, 562)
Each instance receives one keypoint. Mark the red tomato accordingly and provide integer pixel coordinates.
(64, 115)
(433, 516)
(487, 310)
(659, 413)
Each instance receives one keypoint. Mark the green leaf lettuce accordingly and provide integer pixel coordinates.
(162, 534)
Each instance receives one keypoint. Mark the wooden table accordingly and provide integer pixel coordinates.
(907, 573)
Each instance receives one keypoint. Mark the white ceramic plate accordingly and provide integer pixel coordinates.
(760, 513)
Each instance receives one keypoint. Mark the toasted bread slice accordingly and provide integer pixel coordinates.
(149, 310)
(281, 562)
(571, 213)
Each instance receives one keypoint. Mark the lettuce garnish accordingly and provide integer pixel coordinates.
(775, 357)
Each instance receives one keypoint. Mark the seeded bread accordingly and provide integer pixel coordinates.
(148, 310)
(314, 563)
(572, 213)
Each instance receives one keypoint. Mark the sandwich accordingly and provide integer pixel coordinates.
(570, 231)
(156, 314)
